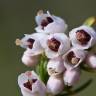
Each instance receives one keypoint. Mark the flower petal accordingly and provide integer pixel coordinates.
(91, 60)
(89, 30)
(29, 59)
(63, 39)
(36, 86)
(55, 85)
(71, 77)
(79, 53)
(55, 66)
(57, 26)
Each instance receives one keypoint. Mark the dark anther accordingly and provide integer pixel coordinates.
(30, 41)
(34, 80)
(72, 58)
(53, 44)
(46, 21)
(82, 36)
(28, 85)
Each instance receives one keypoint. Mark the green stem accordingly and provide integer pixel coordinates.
(42, 69)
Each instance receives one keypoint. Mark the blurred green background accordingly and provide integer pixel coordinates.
(17, 18)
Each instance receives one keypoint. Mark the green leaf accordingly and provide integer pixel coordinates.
(87, 68)
(90, 21)
(71, 92)
(41, 69)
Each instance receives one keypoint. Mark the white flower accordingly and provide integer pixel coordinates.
(55, 85)
(71, 77)
(91, 60)
(55, 67)
(74, 57)
(32, 41)
(48, 23)
(83, 37)
(30, 84)
(29, 59)
(55, 44)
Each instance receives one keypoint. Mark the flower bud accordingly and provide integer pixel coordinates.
(55, 85)
(55, 45)
(48, 23)
(55, 66)
(32, 42)
(71, 77)
(91, 60)
(30, 84)
(28, 58)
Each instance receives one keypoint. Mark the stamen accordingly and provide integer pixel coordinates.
(18, 42)
(48, 13)
(75, 60)
(72, 58)
(28, 43)
(40, 12)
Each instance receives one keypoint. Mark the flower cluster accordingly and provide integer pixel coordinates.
(65, 54)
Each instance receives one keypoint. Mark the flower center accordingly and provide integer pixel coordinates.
(72, 58)
(46, 21)
(30, 43)
(29, 83)
(52, 71)
(82, 36)
(53, 44)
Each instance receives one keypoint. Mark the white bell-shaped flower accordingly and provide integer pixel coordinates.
(55, 66)
(32, 41)
(74, 57)
(48, 23)
(83, 37)
(71, 77)
(55, 44)
(55, 85)
(30, 84)
(91, 60)
(29, 59)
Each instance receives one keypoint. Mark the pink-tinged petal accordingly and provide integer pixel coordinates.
(78, 56)
(51, 24)
(36, 84)
(55, 66)
(37, 48)
(30, 60)
(39, 18)
(58, 26)
(57, 44)
(55, 85)
(71, 77)
(43, 41)
(32, 42)
(90, 31)
(91, 60)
